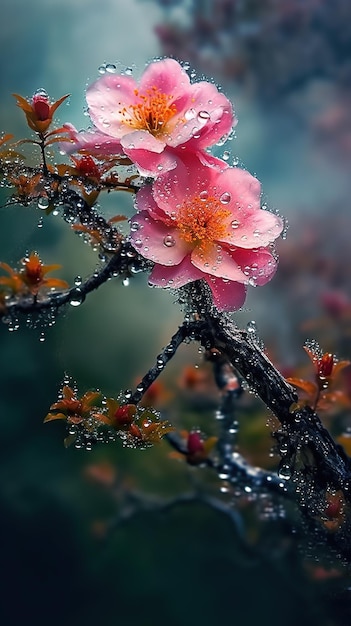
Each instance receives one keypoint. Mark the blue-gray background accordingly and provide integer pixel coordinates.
(186, 568)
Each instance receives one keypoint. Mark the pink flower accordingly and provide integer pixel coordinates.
(155, 119)
(196, 222)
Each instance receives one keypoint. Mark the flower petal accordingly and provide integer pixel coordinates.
(157, 241)
(258, 265)
(227, 295)
(208, 117)
(168, 76)
(213, 259)
(176, 275)
(141, 140)
(107, 98)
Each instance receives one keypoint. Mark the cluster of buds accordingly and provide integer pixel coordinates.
(92, 417)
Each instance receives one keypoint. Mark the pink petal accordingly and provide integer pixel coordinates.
(175, 276)
(208, 160)
(215, 260)
(144, 201)
(227, 295)
(250, 229)
(208, 117)
(168, 76)
(96, 143)
(152, 163)
(188, 179)
(259, 266)
(106, 99)
(157, 241)
(245, 189)
(142, 140)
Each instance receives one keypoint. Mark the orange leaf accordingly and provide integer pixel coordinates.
(306, 385)
(54, 416)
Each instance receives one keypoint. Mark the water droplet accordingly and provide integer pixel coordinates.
(226, 198)
(203, 115)
(41, 92)
(251, 327)
(102, 68)
(125, 282)
(43, 203)
(190, 114)
(235, 224)
(40, 222)
(76, 297)
(169, 241)
(203, 195)
(226, 155)
(128, 71)
(111, 68)
(285, 472)
(78, 281)
(42, 337)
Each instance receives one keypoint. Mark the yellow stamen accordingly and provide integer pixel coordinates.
(202, 220)
(152, 112)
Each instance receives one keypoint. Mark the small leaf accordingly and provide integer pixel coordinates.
(306, 385)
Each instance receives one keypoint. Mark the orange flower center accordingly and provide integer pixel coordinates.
(202, 219)
(151, 113)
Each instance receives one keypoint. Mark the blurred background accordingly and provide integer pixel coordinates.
(286, 65)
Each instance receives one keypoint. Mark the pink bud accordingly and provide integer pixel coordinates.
(195, 443)
(41, 107)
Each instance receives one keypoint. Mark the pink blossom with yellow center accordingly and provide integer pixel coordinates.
(158, 119)
(197, 222)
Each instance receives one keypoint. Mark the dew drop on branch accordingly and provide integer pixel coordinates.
(76, 297)
(43, 203)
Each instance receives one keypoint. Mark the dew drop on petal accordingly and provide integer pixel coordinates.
(203, 195)
(235, 224)
(190, 114)
(225, 197)
(203, 116)
(169, 241)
